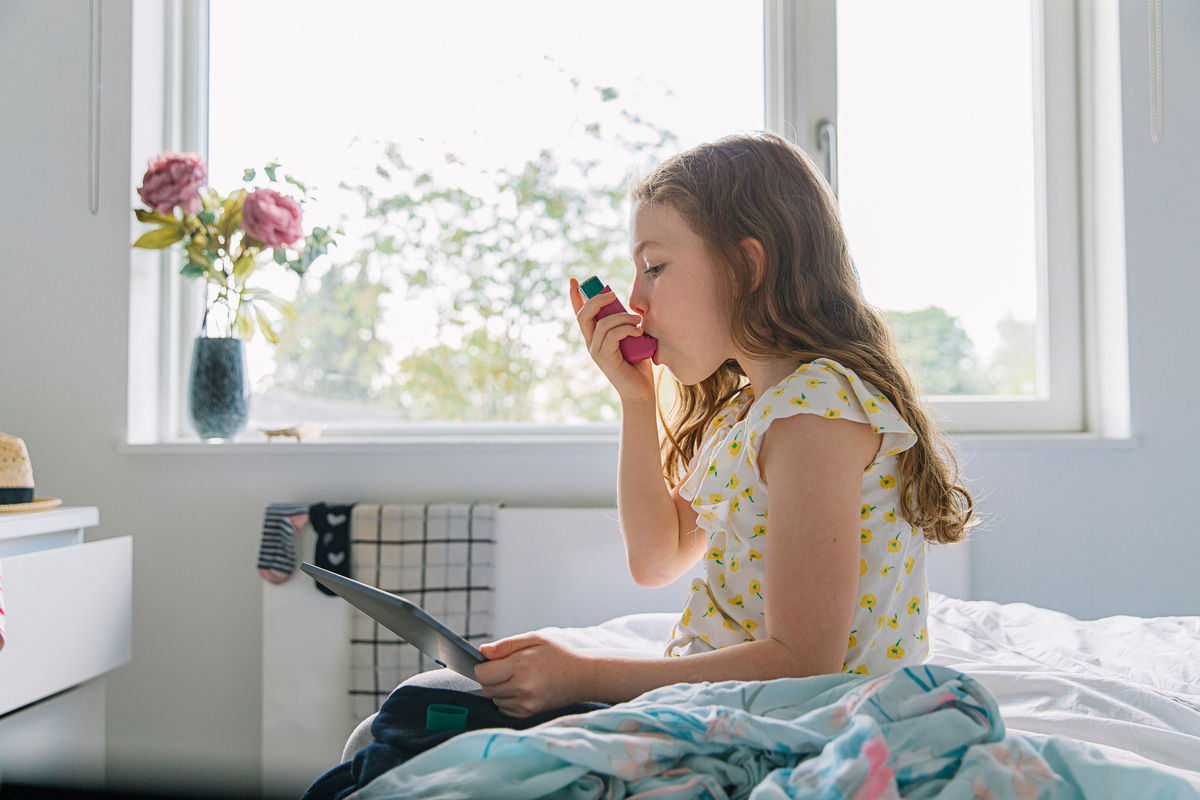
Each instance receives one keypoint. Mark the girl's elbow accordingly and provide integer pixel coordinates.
(649, 576)
(799, 662)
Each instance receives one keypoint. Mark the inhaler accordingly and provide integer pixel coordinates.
(634, 348)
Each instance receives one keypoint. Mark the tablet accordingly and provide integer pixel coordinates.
(406, 619)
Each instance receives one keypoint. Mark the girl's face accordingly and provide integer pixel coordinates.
(677, 294)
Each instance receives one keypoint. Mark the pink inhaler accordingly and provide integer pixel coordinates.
(634, 348)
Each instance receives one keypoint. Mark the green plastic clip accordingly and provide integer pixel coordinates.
(444, 717)
(591, 287)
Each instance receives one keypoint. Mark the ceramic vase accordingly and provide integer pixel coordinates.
(218, 390)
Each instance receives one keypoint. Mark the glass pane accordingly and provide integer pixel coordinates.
(476, 155)
(936, 183)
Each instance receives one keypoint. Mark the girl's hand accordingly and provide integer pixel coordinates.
(525, 675)
(633, 382)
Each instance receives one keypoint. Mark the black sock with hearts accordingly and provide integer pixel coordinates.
(332, 524)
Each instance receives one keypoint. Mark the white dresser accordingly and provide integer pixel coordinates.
(68, 609)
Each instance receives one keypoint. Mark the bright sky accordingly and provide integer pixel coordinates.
(935, 137)
(935, 146)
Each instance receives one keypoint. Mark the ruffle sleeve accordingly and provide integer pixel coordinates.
(826, 388)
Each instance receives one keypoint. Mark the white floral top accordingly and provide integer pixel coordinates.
(726, 607)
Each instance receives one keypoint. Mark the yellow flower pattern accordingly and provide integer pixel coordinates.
(727, 606)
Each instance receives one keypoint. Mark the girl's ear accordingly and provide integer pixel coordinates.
(757, 256)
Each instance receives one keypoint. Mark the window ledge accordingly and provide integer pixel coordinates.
(1043, 441)
(556, 441)
(378, 445)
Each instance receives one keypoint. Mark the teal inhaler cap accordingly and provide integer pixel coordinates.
(591, 287)
(444, 717)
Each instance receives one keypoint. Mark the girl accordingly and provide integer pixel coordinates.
(797, 463)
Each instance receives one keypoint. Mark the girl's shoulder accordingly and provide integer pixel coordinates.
(825, 388)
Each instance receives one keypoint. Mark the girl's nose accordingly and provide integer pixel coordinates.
(637, 298)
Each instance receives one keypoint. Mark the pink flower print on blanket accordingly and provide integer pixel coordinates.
(641, 749)
(880, 782)
(1029, 773)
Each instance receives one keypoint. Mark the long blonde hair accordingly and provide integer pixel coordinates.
(806, 304)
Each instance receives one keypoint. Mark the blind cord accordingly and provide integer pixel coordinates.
(96, 12)
(1156, 71)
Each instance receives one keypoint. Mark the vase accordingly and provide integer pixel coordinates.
(218, 391)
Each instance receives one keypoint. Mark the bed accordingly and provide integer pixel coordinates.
(1104, 708)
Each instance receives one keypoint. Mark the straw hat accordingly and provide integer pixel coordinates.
(16, 479)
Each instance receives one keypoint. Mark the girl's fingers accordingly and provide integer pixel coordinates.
(576, 297)
(606, 343)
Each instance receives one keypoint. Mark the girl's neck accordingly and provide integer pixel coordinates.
(765, 374)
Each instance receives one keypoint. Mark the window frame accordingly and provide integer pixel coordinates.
(800, 92)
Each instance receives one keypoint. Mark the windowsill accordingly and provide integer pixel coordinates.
(381, 444)
(1043, 441)
(529, 441)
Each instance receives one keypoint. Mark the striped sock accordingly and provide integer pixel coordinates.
(277, 551)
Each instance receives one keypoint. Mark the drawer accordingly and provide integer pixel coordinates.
(68, 613)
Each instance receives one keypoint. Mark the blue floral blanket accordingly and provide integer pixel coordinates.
(920, 732)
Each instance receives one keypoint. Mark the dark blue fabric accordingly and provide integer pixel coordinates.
(399, 733)
(332, 524)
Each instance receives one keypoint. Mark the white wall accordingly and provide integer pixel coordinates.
(1082, 526)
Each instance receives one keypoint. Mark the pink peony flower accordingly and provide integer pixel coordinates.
(173, 179)
(271, 218)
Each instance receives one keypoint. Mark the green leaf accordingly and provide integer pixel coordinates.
(159, 238)
(273, 300)
(264, 325)
(207, 216)
(248, 174)
(296, 183)
(243, 266)
(287, 309)
(197, 255)
(154, 217)
(231, 212)
(245, 325)
(270, 170)
(280, 256)
(193, 270)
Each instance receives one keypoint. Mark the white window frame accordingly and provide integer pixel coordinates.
(800, 93)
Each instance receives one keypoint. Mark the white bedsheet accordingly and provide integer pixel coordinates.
(1129, 685)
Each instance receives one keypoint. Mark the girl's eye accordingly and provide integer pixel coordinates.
(653, 271)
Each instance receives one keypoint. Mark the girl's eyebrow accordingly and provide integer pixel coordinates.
(642, 245)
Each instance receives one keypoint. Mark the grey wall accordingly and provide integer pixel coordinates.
(1086, 527)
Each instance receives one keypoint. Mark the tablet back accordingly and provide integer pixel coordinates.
(404, 618)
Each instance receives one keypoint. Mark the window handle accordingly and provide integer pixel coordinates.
(827, 147)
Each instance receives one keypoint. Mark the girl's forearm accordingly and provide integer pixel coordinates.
(648, 518)
(617, 679)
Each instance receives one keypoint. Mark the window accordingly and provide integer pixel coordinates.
(954, 160)
(476, 157)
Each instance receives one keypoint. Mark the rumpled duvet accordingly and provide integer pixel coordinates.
(919, 732)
